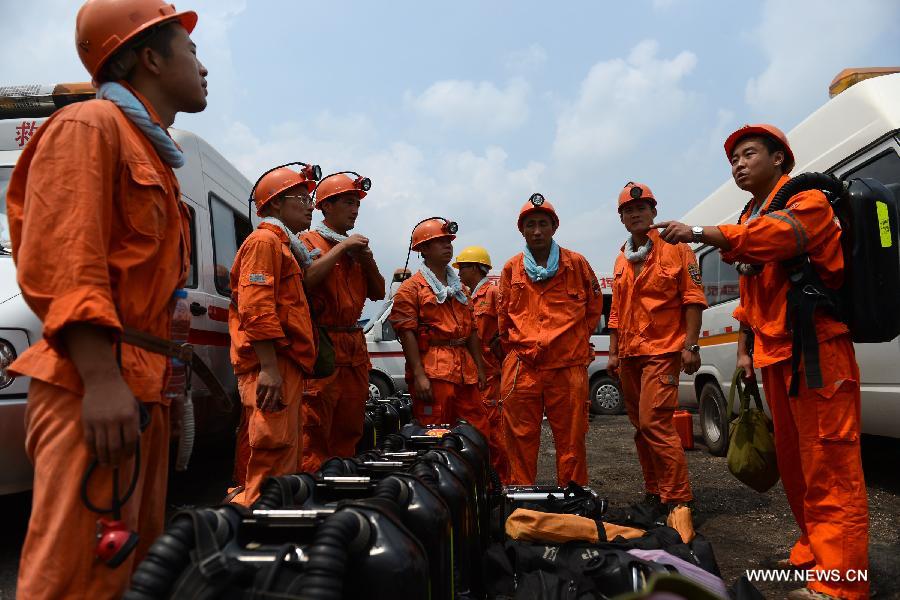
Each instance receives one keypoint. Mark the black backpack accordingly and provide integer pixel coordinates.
(869, 299)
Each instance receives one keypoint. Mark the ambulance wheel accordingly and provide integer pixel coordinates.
(713, 419)
(606, 397)
(379, 388)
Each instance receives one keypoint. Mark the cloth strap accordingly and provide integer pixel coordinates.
(330, 234)
(304, 257)
(129, 104)
(536, 272)
(448, 342)
(441, 291)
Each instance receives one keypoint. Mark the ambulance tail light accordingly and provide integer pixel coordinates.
(850, 77)
(41, 100)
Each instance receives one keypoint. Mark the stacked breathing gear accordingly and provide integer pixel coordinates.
(393, 523)
(310, 172)
(115, 541)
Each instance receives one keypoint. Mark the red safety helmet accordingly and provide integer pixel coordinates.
(431, 229)
(538, 203)
(103, 26)
(633, 192)
(766, 130)
(280, 180)
(340, 183)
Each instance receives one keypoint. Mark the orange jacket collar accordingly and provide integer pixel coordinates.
(278, 231)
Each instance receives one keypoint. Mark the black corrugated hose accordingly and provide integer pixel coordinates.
(326, 568)
(167, 558)
(278, 492)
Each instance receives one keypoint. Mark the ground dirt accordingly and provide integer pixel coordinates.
(748, 530)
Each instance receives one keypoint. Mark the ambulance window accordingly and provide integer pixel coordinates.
(885, 168)
(192, 271)
(720, 280)
(387, 331)
(229, 229)
(5, 242)
(602, 326)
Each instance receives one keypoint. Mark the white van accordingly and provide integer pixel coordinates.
(216, 194)
(855, 134)
(603, 389)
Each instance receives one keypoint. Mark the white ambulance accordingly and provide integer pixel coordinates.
(855, 134)
(216, 194)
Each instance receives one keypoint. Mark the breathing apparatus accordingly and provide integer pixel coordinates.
(115, 541)
(310, 172)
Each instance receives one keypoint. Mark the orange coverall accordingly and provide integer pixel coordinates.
(334, 407)
(817, 432)
(99, 236)
(450, 369)
(647, 313)
(268, 303)
(484, 303)
(545, 328)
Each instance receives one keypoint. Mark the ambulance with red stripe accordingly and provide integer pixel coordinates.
(855, 134)
(216, 194)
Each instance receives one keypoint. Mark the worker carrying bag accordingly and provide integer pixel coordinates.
(751, 446)
(869, 299)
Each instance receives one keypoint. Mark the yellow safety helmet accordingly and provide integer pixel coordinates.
(473, 254)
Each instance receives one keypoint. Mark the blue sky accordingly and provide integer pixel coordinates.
(464, 109)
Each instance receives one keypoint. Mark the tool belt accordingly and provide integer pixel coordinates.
(448, 342)
(184, 353)
(341, 328)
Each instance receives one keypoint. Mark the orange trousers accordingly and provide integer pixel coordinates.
(817, 444)
(528, 394)
(58, 556)
(334, 409)
(451, 401)
(273, 438)
(650, 390)
(493, 411)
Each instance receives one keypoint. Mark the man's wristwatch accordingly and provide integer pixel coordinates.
(695, 348)
(697, 233)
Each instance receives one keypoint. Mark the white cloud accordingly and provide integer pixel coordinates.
(806, 43)
(526, 60)
(622, 104)
(473, 106)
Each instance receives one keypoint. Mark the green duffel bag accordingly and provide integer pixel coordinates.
(325, 360)
(751, 446)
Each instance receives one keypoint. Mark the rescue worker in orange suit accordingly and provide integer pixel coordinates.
(432, 315)
(338, 282)
(97, 180)
(654, 323)
(550, 302)
(474, 264)
(273, 347)
(817, 430)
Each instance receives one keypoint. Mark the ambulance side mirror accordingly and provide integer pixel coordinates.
(377, 329)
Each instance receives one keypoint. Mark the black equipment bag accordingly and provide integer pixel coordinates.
(869, 299)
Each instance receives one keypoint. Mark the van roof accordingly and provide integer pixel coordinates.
(846, 124)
